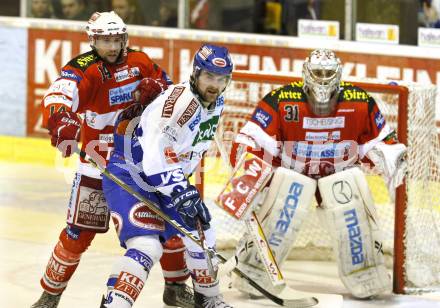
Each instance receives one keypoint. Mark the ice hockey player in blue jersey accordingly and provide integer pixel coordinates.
(160, 150)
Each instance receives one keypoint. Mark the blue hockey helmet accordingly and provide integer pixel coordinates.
(211, 59)
(214, 59)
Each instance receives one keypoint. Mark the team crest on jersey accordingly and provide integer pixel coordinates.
(262, 117)
(379, 119)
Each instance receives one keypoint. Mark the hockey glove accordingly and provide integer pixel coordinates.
(190, 207)
(65, 130)
(148, 89)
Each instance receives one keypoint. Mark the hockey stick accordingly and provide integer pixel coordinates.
(254, 228)
(293, 303)
(202, 238)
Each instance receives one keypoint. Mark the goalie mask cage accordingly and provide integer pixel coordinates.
(411, 225)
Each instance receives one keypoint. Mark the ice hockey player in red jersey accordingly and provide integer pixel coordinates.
(318, 131)
(82, 105)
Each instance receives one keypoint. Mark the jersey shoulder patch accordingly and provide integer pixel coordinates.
(83, 61)
(292, 92)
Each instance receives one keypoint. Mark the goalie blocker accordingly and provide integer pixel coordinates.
(349, 214)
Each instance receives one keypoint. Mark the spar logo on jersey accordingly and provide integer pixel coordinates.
(262, 117)
(122, 94)
(379, 119)
(69, 74)
(206, 130)
(326, 150)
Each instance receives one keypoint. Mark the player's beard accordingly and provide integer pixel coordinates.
(111, 57)
(210, 95)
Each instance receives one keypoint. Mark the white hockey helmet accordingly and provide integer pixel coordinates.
(106, 23)
(322, 72)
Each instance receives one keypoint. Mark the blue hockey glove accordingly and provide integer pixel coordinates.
(190, 207)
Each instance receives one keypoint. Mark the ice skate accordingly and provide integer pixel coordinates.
(177, 294)
(47, 300)
(202, 301)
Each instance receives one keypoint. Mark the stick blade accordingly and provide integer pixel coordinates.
(300, 302)
(295, 298)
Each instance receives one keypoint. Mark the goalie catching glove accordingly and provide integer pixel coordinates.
(390, 160)
(65, 130)
(190, 207)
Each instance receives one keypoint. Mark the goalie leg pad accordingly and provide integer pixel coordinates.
(284, 209)
(282, 213)
(353, 223)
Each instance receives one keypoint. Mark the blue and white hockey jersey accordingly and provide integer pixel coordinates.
(174, 132)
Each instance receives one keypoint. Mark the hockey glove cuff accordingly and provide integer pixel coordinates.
(65, 130)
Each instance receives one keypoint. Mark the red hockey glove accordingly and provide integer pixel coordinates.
(148, 89)
(65, 130)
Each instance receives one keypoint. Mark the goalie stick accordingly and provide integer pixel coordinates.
(292, 303)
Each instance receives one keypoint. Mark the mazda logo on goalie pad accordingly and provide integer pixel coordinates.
(342, 192)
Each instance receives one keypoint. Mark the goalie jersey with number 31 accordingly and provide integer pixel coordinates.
(316, 131)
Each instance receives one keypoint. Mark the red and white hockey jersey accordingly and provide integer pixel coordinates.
(98, 91)
(284, 131)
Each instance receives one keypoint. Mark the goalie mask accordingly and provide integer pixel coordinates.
(322, 72)
(212, 71)
(108, 36)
